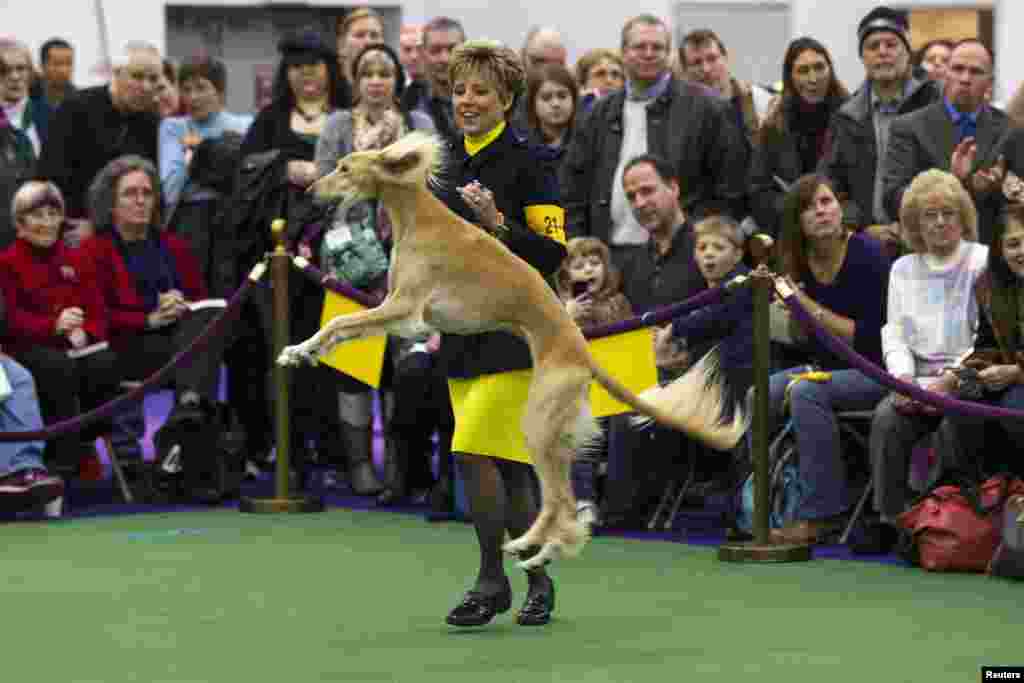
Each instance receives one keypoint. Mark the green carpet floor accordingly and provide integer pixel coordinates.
(361, 596)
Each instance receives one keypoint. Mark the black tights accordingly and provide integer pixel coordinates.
(502, 497)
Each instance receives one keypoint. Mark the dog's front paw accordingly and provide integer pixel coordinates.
(292, 356)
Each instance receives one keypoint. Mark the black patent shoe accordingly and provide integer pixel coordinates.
(477, 609)
(536, 611)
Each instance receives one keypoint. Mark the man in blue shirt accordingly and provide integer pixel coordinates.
(960, 133)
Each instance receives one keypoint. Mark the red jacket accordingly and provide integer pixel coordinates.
(126, 308)
(38, 284)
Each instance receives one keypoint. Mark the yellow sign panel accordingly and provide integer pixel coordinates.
(362, 359)
(629, 358)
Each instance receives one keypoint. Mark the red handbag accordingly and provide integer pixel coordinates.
(957, 528)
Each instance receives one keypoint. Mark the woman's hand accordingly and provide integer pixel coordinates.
(301, 173)
(78, 338)
(69, 319)
(434, 342)
(998, 377)
(162, 317)
(171, 308)
(481, 201)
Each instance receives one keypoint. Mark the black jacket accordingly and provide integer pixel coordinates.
(17, 161)
(509, 168)
(777, 158)
(695, 132)
(84, 134)
(852, 157)
(417, 96)
(925, 139)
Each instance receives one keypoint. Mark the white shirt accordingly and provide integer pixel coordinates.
(932, 318)
(14, 115)
(625, 228)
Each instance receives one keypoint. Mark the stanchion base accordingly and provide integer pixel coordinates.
(279, 505)
(751, 551)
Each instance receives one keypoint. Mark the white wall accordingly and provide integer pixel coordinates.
(586, 23)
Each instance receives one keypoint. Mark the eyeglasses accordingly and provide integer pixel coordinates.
(933, 216)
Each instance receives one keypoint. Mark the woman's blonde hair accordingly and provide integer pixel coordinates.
(928, 184)
(491, 61)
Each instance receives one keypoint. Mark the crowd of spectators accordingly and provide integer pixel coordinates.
(894, 206)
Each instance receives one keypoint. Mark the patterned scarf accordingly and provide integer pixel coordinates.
(377, 135)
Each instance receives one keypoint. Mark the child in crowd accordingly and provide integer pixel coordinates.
(728, 325)
(590, 286)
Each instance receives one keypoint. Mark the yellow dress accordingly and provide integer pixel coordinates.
(489, 414)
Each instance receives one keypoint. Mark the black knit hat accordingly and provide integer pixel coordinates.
(299, 48)
(884, 19)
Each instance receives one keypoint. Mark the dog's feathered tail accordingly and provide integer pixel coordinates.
(694, 403)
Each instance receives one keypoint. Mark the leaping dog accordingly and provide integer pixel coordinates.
(448, 275)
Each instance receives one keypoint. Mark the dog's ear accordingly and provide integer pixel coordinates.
(396, 166)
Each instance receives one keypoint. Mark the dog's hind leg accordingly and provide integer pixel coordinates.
(394, 316)
(551, 424)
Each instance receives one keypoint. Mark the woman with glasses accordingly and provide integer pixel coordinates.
(931, 325)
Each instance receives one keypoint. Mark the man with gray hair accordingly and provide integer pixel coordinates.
(543, 45)
(102, 123)
(92, 127)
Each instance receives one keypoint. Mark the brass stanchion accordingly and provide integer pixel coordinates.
(760, 550)
(283, 501)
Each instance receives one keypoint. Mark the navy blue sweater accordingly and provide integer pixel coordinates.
(729, 324)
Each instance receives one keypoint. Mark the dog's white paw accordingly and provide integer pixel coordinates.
(549, 552)
(296, 355)
(517, 545)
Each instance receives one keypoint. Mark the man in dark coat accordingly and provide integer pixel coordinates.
(683, 122)
(98, 124)
(959, 133)
(859, 132)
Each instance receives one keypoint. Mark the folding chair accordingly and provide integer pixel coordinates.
(675, 491)
(851, 424)
(115, 461)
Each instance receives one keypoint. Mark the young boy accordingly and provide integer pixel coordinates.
(727, 326)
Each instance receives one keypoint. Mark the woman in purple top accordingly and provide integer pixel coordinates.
(841, 278)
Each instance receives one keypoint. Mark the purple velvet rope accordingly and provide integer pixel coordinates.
(655, 317)
(658, 315)
(859, 362)
(76, 423)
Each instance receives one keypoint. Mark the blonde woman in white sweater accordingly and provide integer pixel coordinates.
(932, 322)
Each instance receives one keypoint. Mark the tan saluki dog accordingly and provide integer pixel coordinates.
(449, 275)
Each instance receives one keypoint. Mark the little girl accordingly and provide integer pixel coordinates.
(589, 285)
